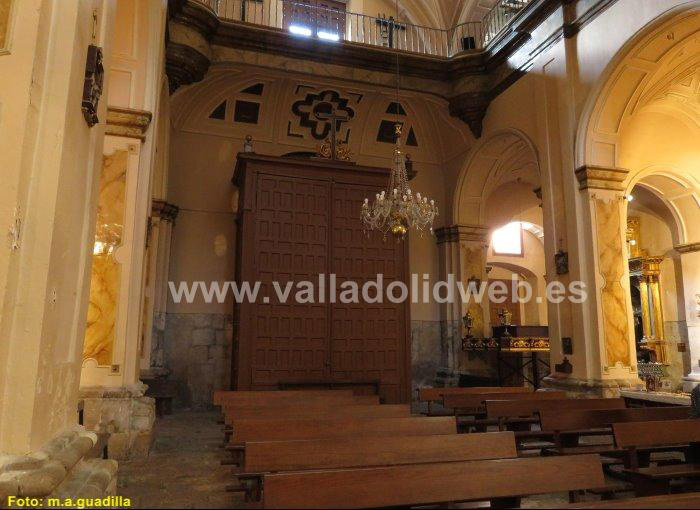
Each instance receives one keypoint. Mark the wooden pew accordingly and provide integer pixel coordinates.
(326, 411)
(432, 395)
(652, 480)
(425, 484)
(474, 405)
(298, 429)
(520, 415)
(256, 397)
(570, 426)
(350, 452)
(668, 501)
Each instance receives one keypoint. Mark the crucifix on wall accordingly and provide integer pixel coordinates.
(334, 148)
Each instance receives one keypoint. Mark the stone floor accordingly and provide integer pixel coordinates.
(183, 470)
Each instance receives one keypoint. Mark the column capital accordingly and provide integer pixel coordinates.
(687, 248)
(457, 233)
(128, 122)
(598, 177)
(164, 210)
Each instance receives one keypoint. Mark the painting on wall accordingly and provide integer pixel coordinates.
(5, 11)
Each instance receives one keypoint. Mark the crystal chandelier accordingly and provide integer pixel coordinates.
(397, 209)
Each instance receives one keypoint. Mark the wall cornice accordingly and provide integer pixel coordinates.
(598, 177)
(128, 122)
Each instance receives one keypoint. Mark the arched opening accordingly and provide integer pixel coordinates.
(644, 125)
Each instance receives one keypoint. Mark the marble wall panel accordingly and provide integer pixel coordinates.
(613, 297)
(106, 271)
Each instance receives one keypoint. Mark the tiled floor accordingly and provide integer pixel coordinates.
(183, 470)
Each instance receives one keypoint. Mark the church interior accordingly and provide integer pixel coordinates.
(350, 253)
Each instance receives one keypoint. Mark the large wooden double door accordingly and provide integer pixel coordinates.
(298, 220)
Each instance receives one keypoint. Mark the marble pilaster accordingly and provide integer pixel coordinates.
(690, 263)
(609, 301)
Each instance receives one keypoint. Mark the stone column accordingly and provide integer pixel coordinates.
(51, 153)
(690, 261)
(612, 353)
(161, 223)
(463, 251)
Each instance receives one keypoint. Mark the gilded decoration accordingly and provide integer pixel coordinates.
(106, 271)
(610, 262)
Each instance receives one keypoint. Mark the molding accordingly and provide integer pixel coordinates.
(459, 233)
(164, 210)
(687, 248)
(184, 65)
(128, 122)
(598, 177)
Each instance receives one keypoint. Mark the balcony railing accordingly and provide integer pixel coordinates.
(305, 19)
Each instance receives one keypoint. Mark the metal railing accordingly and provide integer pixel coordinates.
(500, 16)
(302, 18)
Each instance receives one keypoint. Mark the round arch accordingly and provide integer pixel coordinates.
(503, 157)
(644, 114)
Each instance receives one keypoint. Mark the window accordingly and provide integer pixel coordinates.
(508, 240)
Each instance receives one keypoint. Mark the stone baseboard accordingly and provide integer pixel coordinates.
(125, 415)
(601, 388)
(59, 469)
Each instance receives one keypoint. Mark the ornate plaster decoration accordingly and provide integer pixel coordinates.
(314, 113)
(128, 122)
(597, 177)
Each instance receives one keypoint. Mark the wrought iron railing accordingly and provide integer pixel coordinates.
(306, 20)
(500, 16)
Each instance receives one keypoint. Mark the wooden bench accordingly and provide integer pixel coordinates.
(568, 427)
(256, 397)
(634, 437)
(433, 395)
(298, 429)
(474, 405)
(279, 456)
(520, 415)
(326, 411)
(669, 501)
(426, 484)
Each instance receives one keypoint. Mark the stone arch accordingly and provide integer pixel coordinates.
(496, 160)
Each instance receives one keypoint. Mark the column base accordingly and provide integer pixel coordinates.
(124, 415)
(61, 469)
(591, 388)
(690, 381)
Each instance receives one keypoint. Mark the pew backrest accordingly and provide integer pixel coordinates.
(436, 394)
(320, 412)
(219, 397)
(425, 484)
(478, 399)
(656, 433)
(298, 429)
(497, 409)
(375, 451)
(307, 400)
(554, 421)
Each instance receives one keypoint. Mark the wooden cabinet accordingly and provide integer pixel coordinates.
(298, 219)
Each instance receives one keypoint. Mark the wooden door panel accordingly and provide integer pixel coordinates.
(367, 339)
(290, 340)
